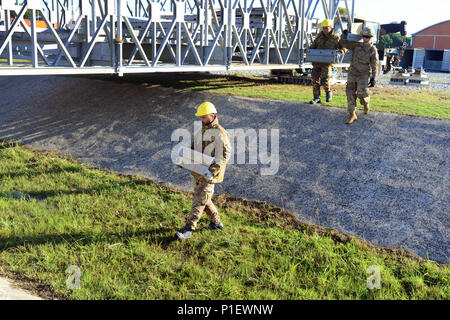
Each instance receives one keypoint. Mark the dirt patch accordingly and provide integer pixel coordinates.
(31, 286)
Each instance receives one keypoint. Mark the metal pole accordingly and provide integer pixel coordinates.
(353, 11)
(349, 18)
(245, 31)
(229, 35)
(325, 9)
(280, 24)
(58, 21)
(204, 37)
(302, 33)
(34, 53)
(178, 46)
(94, 17)
(119, 41)
(7, 25)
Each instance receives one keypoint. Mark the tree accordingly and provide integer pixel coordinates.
(385, 41)
(393, 40)
(27, 14)
(342, 11)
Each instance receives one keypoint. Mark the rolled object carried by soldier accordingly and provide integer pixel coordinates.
(194, 161)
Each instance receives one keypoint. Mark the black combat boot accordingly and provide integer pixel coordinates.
(315, 100)
(214, 226)
(184, 233)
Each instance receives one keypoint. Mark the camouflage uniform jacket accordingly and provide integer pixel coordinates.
(364, 59)
(332, 41)
(216, 134)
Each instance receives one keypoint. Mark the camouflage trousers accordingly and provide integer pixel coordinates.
(357, 87)
(321, 74)
(203, 192)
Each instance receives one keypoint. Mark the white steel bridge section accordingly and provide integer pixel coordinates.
(44, 37)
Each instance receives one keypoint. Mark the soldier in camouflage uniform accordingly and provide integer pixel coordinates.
(321, 72)
(212, 137)
(364, 66)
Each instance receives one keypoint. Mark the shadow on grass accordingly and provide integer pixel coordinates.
(30, 173)
(161, 236)
(194, 81)
(44, 194)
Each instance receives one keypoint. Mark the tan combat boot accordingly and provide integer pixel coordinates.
(352, 118)
(366, 109)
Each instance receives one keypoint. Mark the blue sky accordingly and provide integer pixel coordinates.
(418, 14)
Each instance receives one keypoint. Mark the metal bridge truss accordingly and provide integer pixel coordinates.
(144, 36)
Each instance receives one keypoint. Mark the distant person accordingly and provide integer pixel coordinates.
(214, 133)
(364, 66)
(321, 72)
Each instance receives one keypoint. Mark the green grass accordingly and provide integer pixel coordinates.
(119, 231)
(21, 62)
(425, 103)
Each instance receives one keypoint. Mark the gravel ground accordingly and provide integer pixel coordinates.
(438, 81)
(385, 178)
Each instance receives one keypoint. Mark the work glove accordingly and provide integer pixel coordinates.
(344, 34)
(340, 55)
(372, 82)
(214, 169)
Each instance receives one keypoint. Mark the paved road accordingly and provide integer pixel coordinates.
(385, 178)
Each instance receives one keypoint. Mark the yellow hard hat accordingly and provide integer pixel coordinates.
(326, 23)
(205, 108)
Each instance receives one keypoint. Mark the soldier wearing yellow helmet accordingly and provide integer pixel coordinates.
(211, 133)
(321, 72)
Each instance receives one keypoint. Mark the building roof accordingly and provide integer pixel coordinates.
(413, 34)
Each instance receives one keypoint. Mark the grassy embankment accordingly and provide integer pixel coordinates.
(119, 231)
(425, 103)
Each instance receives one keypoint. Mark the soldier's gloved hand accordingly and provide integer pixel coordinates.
(344, 34)
(372, 82)
(214, 168)
(340, 55)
